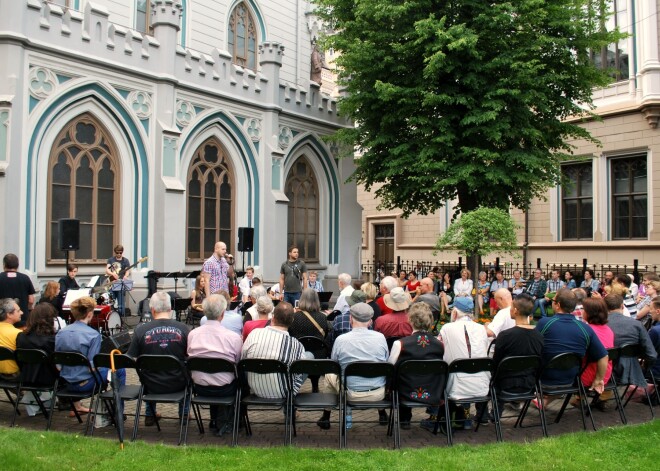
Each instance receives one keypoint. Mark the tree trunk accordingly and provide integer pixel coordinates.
(473, 263)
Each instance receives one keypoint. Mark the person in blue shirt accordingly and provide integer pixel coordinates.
(80, 337)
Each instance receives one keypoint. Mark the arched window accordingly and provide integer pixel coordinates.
(243, 37)
(83, 181)
(210, 197)
(303, 226)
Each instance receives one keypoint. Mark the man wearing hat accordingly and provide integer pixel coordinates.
(395, 324)
(360, 344)
(342, 322)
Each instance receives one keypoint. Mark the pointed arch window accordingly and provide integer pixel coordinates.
(303, 223)
(210, 201)
(83, 179)
(243, 37)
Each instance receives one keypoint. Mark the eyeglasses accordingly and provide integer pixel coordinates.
(119, 253)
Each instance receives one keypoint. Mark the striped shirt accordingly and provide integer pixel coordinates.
(274, 344)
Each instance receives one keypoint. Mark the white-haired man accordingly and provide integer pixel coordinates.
(212, 340)
(502, 320)
(345, 291)
(162, 336)
(387, 284)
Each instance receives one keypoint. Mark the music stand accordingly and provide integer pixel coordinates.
(121, 287)
(180, 305)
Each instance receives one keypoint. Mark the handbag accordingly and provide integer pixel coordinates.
(316, 324)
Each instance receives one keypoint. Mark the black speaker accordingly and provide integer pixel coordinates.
(69, 232)
(245, 239)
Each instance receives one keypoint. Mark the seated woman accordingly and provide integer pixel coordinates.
(79, 337)
(446, 292)
(483, 291)
(52, 296)
(39, 334)
(595, 314)
(463, 286)
(264, 308)
(421, 345)
(197, 295)
(413, 283)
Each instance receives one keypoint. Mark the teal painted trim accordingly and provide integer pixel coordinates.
(332, 184)
(559, 205)
(256, 146)
(632, 22)
(123, 92)
(138, 151)
(32, 104)
(608, 189)
(145, 125)
(294, 132)
(240, 119)
(62, 78)
(4, 134)
(76, 5)
(249, 161)
(198, 109)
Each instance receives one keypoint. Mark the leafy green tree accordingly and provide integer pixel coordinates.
(464, 100)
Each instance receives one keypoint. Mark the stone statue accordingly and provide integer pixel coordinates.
(317, 63)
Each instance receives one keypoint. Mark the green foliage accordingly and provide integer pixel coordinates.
(481, 232)
(464, 99)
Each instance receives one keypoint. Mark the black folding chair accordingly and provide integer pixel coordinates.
(634, 352)
(214, 366)
(315, 345)
(371, 369)
(567, 362)
(514, 368)
(315, 401)
(25, 356)
(158, 364)
(127, 392)
(9, 387)
(612, 385)
(63, 390)
(390, 341)
(471, 366)
(260, 366)
(434, 370)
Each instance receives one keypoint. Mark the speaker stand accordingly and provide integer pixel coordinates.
(66, 263)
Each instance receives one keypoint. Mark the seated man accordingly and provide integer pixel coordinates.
(420, 345)
(360, 344)
(275, 343)
(162, 336)
(212, 340)
(465, 338)
(396, 323)
(520, 340)
(342, 322)
(79, 337)
(10, 314)
(628, 330)
(428, 296)
(503, 320)
(564, 333)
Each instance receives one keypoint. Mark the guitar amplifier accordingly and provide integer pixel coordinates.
(120, 341)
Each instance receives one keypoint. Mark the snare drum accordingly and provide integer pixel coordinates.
(106, 320)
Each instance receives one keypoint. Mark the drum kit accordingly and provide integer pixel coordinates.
(106, 319)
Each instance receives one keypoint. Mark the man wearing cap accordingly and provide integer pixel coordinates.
(360, 344)
(464, 338)
(395, 324)
(427, 295)
(342, 322)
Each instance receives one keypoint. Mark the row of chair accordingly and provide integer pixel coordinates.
(241, 402)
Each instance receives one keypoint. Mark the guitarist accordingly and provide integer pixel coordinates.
(118, 267)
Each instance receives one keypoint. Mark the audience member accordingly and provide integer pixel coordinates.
(537, 288)
(264, 308)
(212, 340)
(342, 322)
(463, 286)
(483, 292)
(387, 284)
(428, 296)
(162, 336)
(446, 292)
(10, 315)
(345, 290)
(17, 286)
(420, 345)
(497, 283)
(503, 320)
(371, 291)
(395, 324)
(596, 315)
(590, 283)
(39, 334)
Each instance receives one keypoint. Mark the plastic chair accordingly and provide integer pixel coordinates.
(371, 369)
(64, 393)
(214, 366)
(9, 387)
(260, 366)
(146, 364)
(434, 370)
(568, 362)
(516, 367)
(472, 366)
(127, 392)
(315, 401)
(25, 356)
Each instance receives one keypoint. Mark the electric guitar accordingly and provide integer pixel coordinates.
(116, 276)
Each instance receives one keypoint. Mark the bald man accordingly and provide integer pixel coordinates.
(502, 319)
(216, 270)
(427, 296)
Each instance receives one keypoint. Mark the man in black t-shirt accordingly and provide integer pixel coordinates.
(162, 336)
(16, 285)
(293, 276)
